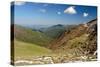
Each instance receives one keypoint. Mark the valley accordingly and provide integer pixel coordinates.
(58, 43)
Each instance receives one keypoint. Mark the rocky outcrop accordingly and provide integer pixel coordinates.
(35, 60)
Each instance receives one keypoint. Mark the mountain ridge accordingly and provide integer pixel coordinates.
(87, 31)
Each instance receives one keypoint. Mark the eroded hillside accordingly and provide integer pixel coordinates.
(80, 40)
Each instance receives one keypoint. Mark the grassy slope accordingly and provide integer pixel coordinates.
(54, 31)
(23, 49)
(27, 35)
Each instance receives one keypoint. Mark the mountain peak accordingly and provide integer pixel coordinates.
(58, 25)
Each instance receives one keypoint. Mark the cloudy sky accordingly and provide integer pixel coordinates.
(27, 13)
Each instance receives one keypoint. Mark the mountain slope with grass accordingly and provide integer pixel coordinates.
(24, 49)
(56, 30)
(30, 36)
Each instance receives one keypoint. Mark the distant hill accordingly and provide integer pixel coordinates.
(28, 35)
(56, 30)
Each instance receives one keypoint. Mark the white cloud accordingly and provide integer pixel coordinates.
(42, 10)
(85, 14)
(59, 13)
(19, 3)
(70, 10)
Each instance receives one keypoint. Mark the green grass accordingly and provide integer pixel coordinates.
(23, 49)
(30, 36)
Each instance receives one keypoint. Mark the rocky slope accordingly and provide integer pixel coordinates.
(81, 39)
